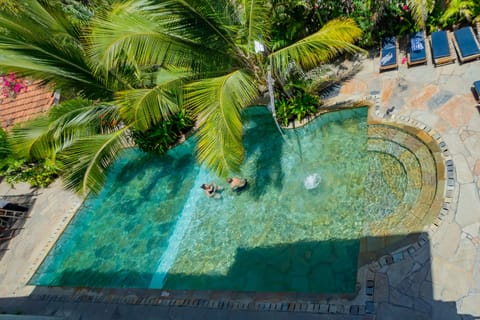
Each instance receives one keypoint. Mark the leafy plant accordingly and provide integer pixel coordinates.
(299, 107)
(304, 105)
(164, 135)
(282, 108)
(37, 174)
(458, 11)
(5, 149)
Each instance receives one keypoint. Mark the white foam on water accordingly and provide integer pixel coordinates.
(312, 181)
(178, 232)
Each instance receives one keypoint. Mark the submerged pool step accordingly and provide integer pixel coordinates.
(421, 170)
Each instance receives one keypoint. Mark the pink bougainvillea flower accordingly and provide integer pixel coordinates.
(18, 87)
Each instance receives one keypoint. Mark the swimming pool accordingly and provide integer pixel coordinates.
(153, 227)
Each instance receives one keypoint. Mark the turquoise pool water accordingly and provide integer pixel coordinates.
(153, 227)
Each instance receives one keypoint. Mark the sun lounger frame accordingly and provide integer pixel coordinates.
(446, 59)
(393, 65)
(461, 58)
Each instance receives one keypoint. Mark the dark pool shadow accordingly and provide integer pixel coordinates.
(265, 140)
(322, 263)
(165, 167)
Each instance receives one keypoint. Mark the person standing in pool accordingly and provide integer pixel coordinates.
(237, 184)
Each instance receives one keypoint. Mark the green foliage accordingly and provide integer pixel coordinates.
(37, 174)
(143, 61)
(282, 107)
(457, 12)
(78, 10)
(5, 149)
(297, 108)
(163, 135)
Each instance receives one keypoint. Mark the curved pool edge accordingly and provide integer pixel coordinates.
(439, 208)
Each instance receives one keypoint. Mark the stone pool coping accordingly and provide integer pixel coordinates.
(362, 304)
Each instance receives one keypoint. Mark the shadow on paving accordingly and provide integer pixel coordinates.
(323, 263)
(23, 204)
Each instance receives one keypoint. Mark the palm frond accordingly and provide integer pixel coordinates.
(140, 33)
(46, 46)
(256, 22)
(45, 137)
(336, 37)
(420, 10)
(143, 108)
(33, 140)
(87, 160)
(217, 103)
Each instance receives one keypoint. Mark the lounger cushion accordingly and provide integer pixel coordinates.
(466, 43)
(417, 47)
(440, 46)
(476, 85)
(389, 51)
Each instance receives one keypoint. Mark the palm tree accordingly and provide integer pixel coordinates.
(158, 57)
(220, 43)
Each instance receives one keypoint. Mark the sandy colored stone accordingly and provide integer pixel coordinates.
(464, 257)
(353, 86)
(472, 144)
(457, 112)
(463, 170)
(476, 168)
(470, 305)
(420, 101)
(453, 281)
(468, 207)
(387, 91)
(445, 240)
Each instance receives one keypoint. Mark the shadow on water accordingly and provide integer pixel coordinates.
(303, 265)
(268, 172)
(166, 168)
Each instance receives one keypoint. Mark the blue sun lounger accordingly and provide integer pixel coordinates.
(466, 44)
(441, 51)
(476, 90)
(417, 53)
(388, 54)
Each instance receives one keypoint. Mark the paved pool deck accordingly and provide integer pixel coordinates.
(440, 280)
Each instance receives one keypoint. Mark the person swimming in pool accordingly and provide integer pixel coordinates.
(237, 184)
(211, 190)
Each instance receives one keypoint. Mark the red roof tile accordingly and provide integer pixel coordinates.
(26, 105)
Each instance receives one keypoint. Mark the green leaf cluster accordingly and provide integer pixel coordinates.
(302, 105)
(164, 135)
(37, 174)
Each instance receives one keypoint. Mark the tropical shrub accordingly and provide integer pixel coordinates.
(37, 174)
(13, 170)
(164, 135)
(299, 107)
(282, 108)
(458, 11)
